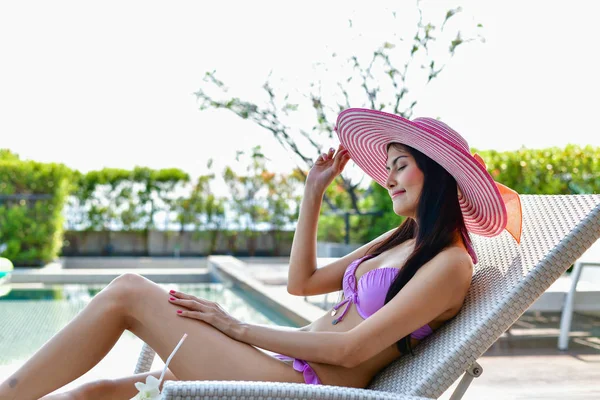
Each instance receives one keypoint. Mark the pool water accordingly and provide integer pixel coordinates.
(30, 316)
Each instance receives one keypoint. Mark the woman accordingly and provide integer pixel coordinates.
(398, 289)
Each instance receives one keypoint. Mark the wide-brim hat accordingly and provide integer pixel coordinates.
(366, 135)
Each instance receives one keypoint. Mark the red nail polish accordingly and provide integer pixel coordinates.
(171, 291)
(179, 311)
(172, 298)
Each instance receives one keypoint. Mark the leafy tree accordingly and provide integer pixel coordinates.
(202, 209)
(283, 200)
(380, 81)
(112, 198)
(214, 210)
(157, 191)
(95, 200)
(250, 207)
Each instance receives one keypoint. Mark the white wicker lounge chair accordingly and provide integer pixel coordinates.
(507, 280)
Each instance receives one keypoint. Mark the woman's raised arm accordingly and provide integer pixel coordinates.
(303, 257)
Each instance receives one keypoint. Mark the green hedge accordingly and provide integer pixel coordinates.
(127, 199)
(32, 197)
(569, 170)
(32, 229)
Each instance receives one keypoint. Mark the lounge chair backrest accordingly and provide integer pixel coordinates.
(506, 281)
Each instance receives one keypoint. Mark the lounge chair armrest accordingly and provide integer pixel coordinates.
(196, 390)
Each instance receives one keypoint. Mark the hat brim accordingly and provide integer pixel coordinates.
(367, 133)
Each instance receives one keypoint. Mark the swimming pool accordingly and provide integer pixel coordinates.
(30, 315)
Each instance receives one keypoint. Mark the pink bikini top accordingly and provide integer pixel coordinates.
(368, 293)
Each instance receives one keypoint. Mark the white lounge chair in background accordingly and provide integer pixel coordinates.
(508, 279)
(575, 292)
(587, 299)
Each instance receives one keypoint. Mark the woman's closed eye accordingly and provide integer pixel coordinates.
(399, 168)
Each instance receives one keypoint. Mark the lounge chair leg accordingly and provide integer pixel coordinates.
(567, 312)
(473, 371)
(145, 360)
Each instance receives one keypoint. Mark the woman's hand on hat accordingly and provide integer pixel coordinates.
(326, 168)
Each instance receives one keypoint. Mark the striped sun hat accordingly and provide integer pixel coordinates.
(366, 134)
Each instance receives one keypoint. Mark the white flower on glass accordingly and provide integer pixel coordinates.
(148, 390)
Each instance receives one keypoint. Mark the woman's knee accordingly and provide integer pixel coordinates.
(123, 291)
(127, 284)
(128, 279)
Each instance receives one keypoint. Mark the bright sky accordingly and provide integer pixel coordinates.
(110, 84)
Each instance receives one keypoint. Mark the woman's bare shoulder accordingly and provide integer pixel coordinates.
(456, 259)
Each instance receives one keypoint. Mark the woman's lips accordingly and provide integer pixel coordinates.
(398, 193)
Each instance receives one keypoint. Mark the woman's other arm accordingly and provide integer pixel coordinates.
(303, 257)
(304, 279)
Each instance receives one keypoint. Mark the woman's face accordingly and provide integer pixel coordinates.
(404, 182)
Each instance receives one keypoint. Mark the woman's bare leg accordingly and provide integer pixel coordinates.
(72, 351)
(121, 388)
(135, 303)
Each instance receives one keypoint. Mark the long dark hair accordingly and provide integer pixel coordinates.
(438, 219)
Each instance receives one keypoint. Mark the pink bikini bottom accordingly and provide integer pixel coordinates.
(310, 376)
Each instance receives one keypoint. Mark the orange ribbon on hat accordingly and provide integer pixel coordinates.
(512, 201)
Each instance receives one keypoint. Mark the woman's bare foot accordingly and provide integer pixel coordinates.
(88, 391)
(70, 395)
(62, 396)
